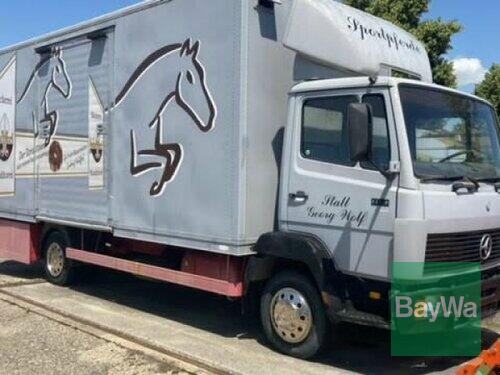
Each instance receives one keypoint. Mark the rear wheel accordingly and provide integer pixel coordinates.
(58, 268)
(293, 316)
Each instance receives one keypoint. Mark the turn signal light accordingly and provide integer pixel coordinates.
(375, 295)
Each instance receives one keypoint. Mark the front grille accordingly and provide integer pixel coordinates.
(461, 247)
(490, 293)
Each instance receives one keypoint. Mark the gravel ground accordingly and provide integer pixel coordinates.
(32, 344)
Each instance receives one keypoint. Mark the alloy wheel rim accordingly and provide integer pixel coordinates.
(55, 260)
(291, 315)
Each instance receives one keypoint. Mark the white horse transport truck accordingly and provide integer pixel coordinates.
(280, 152)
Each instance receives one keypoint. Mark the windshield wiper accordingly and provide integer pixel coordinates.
(446, 178)
(490, 180)
(460, 182)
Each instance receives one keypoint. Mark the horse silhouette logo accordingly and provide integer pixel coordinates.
(191, 76)
(59, 81)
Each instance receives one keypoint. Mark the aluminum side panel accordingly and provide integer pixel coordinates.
(183, 184)
(21, 203)
(67, 193)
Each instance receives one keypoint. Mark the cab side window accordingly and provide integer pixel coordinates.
(380, 152)
(324, 129)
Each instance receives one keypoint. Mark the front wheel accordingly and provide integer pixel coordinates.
(58, 268)
(293, 316)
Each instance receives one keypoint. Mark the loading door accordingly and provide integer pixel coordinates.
(70, 136)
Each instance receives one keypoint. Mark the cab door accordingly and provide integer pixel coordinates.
(350, 207)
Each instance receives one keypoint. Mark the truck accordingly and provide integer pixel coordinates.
(281, 153)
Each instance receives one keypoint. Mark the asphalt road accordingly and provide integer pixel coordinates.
(193, 325)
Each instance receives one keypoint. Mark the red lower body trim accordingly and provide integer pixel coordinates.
(19, 241)
(229, 288)
(214, 266)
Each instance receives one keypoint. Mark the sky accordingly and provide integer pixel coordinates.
(475, 49)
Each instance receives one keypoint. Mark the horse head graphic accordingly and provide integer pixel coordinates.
(194, 78)
(59, 81)
(60, 78)
(190, 92)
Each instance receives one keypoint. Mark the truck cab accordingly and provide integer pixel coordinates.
(376, 171)
(420, 173)
(379, 172)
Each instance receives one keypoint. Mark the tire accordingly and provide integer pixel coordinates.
(58, 268)
(293, 316)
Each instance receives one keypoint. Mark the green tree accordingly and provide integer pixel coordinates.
(489, 89)
(435, 34)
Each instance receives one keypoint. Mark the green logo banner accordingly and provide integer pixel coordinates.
(436, 309)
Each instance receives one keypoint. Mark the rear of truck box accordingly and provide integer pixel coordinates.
(160, 123)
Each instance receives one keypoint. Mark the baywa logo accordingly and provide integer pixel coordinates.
(436, 309)
(447, 307)
(6, 139)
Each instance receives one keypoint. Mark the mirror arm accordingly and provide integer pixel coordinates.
(389, 175)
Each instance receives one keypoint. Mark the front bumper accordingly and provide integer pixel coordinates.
(490, 293)
(361, 310)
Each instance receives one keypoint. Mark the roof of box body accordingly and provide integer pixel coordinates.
(322, 30)
(40, 40)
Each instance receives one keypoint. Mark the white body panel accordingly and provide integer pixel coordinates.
(346, 38)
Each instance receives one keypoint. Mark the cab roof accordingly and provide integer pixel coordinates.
(359, 82)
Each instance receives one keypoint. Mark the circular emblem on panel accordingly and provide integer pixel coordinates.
(55, 156)
(96, 149)
(6, 139)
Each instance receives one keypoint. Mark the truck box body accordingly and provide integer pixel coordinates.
(199, 90)
(163, 122)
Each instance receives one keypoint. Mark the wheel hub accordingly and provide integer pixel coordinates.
(55, 260)
(291, 315)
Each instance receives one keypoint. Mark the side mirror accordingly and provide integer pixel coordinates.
(359, 119)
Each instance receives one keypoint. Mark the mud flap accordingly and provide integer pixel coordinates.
(18, 241)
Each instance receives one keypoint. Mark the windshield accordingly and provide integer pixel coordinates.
(450, 135)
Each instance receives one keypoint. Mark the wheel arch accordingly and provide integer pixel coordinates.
(70, 235)
(279, 250)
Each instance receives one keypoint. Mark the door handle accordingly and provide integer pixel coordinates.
(299, 197)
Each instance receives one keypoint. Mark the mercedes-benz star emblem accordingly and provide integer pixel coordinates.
(488, 207)
(485, 247)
